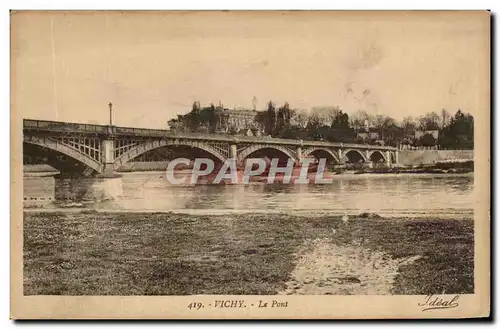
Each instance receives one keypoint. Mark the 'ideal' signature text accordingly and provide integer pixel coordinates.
(433, 302)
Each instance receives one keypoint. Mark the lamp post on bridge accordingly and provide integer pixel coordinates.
(108, 147)
(110, 113)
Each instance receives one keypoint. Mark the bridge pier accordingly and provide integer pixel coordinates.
(233, 152)
(388, 159)
(108, 157)
(341, 156)
(87, 188)
(299, 153)
(103, 186)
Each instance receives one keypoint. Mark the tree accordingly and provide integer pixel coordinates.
(462, 127)
(299, 118)
(210, 117)
(429, 121)
(196, 107)
(409, 125)
(325, 115)
(359, 118)
(203, 129)
(340, 130)
(427, 140)
(333, 124)
(383, 122)
(262, 121)
(271, 118)
(178, 124)
(340, 121)
(283, 120)
(459, 133)
(445, 118)
(268, 119)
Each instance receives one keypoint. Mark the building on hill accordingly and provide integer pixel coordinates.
(216, 119)
(237, 120)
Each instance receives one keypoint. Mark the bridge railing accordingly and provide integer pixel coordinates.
(63, 126)
(140, 131)
(57, 126)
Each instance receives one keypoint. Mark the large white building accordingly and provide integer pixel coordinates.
(238, 119)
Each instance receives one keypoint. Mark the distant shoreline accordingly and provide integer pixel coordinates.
(379, 171)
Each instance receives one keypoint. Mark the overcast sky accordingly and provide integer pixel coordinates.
(152, 66)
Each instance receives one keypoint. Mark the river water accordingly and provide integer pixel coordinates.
(412, 195)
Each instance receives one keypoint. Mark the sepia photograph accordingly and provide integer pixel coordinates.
(244, 164)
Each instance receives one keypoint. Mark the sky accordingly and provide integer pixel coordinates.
(67, 66)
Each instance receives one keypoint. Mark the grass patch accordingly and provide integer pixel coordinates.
(91, 253)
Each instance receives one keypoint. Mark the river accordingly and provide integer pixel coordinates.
(411, 195)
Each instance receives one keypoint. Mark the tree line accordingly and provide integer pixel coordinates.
(442, 129)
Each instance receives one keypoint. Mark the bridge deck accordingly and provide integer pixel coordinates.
(59, 127)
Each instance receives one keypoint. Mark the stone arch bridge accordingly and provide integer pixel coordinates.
(100, 150)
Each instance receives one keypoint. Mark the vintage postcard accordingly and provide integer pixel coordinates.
(250, 165)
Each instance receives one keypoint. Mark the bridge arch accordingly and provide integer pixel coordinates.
(61, 148)
(318, 151)
(354, 156)
(258, 147)
(377, 156)
(154, 144)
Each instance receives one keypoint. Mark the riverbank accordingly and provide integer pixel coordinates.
(94, 253)
(461, 167)
(429, 157)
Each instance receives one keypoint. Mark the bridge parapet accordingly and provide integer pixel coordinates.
(55, 126)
